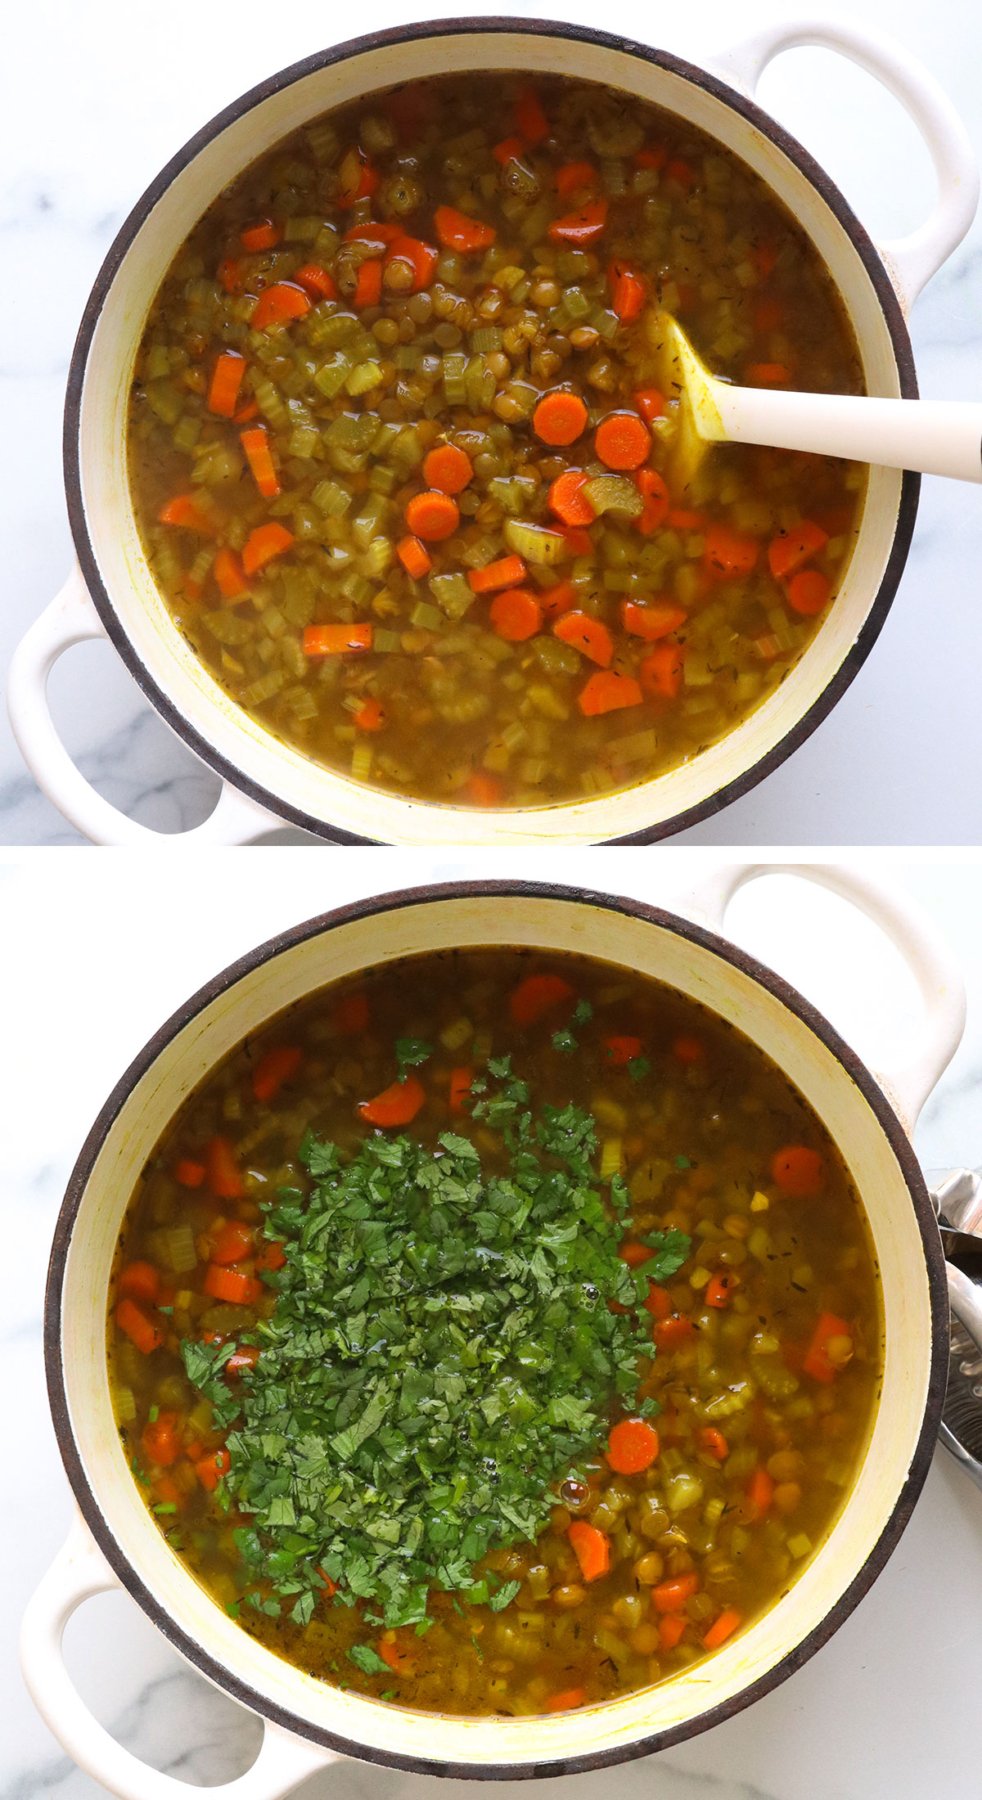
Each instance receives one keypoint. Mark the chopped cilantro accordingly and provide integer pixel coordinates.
(410, 1052)
(671, 1249)
(683, 1162)
(564, 1040)
(582, 1012)
(368, 1660)
(638, 1068)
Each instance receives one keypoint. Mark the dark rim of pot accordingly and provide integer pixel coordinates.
(789, 997)
(711, 84)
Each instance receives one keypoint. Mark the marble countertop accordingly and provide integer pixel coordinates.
(120, 94)
(887, 1710)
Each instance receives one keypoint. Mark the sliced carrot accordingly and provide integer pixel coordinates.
(627, 291)
(608, 692)
(509, 150)
(224, 1175)
(809, 592)
(278, 1066)
(760, 1492)
(396, 1655)
(557, 600)
(255, 442)
(160, 1440)
(575, 180)
(140, 1330)
(581, 227)
(670, 1596)
(484, 789)
(684, 518)
(578, 540)
(229, 575)
(457, 231)
(244, 414)
(668, 1334)
(370, 715)
(650, 402)
(566, 1700)
(654, 493)
(359, 177)
(231, 275)
(621, 1050)
(817, 1361)
(722, 1628)
(622, 440)
(316, 281)
(261, 236)
(377, 233)
(447, 468)
(278, 304)
(189, 1174)
(396, 1105)
(560, 418)
(652, 619)
(713, 1443)
(140, 1280)
(232, 1243)
(460, 1088)
(536, 996)
(368, 283)
(338, 640)
(591, 1547)
(653, 156)
(567, 499)
(271, 1256)
(352, 1013)
(414, 557)
(681, 172)
(233, 1285)
(226, 380)
(185, 510)
(515, 614)
(798, 1171)
(262, 544)
(671, 1630)
(248, 1356)
(635, 1254)
(587, 635)
(791, 549)
(688, 1049)
(432, 516)
(767, 374)
(421, 257)
(506, 572)
(530, 118)
(632, 1446)
(210, 1469)
(729, 553)
(720, 1288)
(659, 1301)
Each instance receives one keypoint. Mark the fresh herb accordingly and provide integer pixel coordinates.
(410, 1053)
(368, 1660)
(683, 1162)
(582, 1012)
(564, 1041)
(671, 1249)
(638, 1068)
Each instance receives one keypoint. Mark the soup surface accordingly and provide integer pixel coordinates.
(497, 1335)
(403, 465)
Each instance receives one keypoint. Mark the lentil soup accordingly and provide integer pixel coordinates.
(403, 466)
(496, 1335)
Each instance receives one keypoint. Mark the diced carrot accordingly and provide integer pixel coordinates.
(681, 172)
(224, 1175)
(368, 284)
(627, 291)
(791, 549)
(188, 1173)
(651, 619)
(536, 996)
(659, 1301)
(260, 236)
(567, 499)
(278, 1066)
(262, 544)
(668, 1334)
(186, 510)
(818, 1363)
(632, 1446)
(578, 540)
(507, 572)
(338, 640)
(764, 258)
(670, 1596)
(140, 1330)
(233, 1285)
(229, 575)
(210, 1469)
(432, 516)
(622, 440)
(243, 415)
(421, 257)
(141, 1281)
(255, 442)
(729, 553)
(798, 1171)
(722, 1628)
(239, 1361)
(608, 692)
(621, 1050)
(720, 1288)
(509, 150)
(460, 1088)
(396, 1655)
(767, 374)
(457, 231)
(231, 1243)
(560, 418)
(713, 1443)
(589, 636)
(654, 493)
(530, 119)
(650, 402)
(359, 177)
(591, 1547)
(653, 156)
(414, 557)
(352, 1013)
(688, 1049)
(278, 305)
(396, 1105)
(316, 281)
(661, 672)
(515, 614)
(567, 1700)
(230, 275)
(809, 592)
(760, 1492)
(634, 1254)
(271, 1256)
(160, 1439)
(671, 1630)
(226, 380)
(377, 233)
(447, 468)
(557, 600)
(483, 789)
(581, 227)
(370, 715)
(575, 180)
(684, 518)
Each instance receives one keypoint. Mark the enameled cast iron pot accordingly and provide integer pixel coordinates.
(113, 593)
(116, 1541)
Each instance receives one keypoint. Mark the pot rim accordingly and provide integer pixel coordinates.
(375, 906)
(351, 48)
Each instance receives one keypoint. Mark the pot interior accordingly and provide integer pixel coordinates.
(190, 696)
(655, 945)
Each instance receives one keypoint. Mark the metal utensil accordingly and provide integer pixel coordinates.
(957, 1197)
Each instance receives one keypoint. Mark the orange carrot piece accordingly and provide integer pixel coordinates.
(160, 1440)
(791, 549)
(226, 380)
(632, 1446)
(352, 1013)
(557, 600)
(247, 1357)
(567, 1700)
(210, 1469)
(622, 440)
(729, 553)
(368, 284)
(278, 304)
(684, 518)
(255, 442)
(817, 1362)
(316, 281)
(483, 789)
(262, 544)
(712, 1441)
(229, 575)
(621, 1050)
(627, 291)
(186, 511)
(530, 119)
(567, 499)
(243, 415)
(140, 1330)
(414, 557)
(380, 235)
(448, 469)
(764, 257)
(560, 418)
(688, 1049)
(460, 1088)
(634, 1254)
(261, 236)
(809, 592)
(396, 1105)
(767, 374)
(432, 516)
(654, 493)
(652, 619)
(515, 614)
(681, 172)
(798, 1171)
(591, 1547)
(768, 314)
(670, 1596)
(188, 1173)
(370, 715)
(722, 1628)
(224, 1175)
(668, 1334)
(421, 257)
(141, 1281)
(230, 274)
(659, 1302)
(359, 178)
(506, 572)
(337, 640)
(582, 227)
(233, 1285)
(509, 150)
(653, 156)
(456, 231)
(720, 1288)
(650, 402)
(536, 996)
(671, 1630)
(587, 635)
(397, 1657)
(760, 1492)
(232, 1243)
(271, 1256)
(278, 1066)
(577, 179)
(608, 692)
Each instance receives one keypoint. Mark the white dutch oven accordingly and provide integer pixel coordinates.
(113, 593)
(116, 1542)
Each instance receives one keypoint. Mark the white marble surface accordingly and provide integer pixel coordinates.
(888, 1710)
(121, 91)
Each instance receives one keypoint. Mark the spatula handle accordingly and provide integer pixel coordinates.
(936, 437)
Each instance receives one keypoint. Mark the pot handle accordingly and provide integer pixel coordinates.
(913, 259)
(930, 962)
(69, 619)
(78, 1572)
